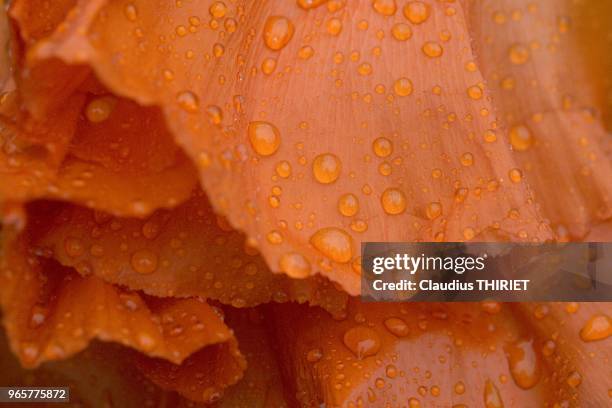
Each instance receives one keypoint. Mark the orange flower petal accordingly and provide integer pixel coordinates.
(262, 384)
(103, 373)
(578, 336)
(51, 313)
(532, 58)
(439, 354)
(403, 135)
(121, 160)
(184, 252)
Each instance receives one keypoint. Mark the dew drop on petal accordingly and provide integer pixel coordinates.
(574, 379)
(401, 32)
(523, 363)
(433, 210)
(99, 109)
(278, 31)
(310, 4)
(74, 247)
(218, 9)
(382, 147)
(518, 54)
(417, 12)
(326, 168)
(520, 137)
(432, 49)
(188, 101)
(385, 7)
(334, 243)
(515, 175)
(397, 326)
(144, 261)
(492, 397)
(598, 327)
(362, 341)
(264, 137)
(348, 205)
(393, 201)
(402, 87)
(295, 265)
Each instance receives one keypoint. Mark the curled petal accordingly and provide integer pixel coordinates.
(441, 354)
(52, 313)
(403, 139)
(187, 251)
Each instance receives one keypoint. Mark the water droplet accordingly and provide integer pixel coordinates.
(491, 307)
(467, 159)
(295, 265)
(571, 307)
(402, 87)
(475, 92)
(314, 355)
(306, 52)
(131, 12)
(334, 243)
(598, 327)
(520, 137)
(334, 26)
(264, 137)
(391, 371)
(393, 201)
(326, 168)
(548, 348)
(99, 109)
(574, 379)
(417, 12)
(362, 341)
(468, 233)
(278, 31)
(146, 342)
(518, 54)
(310, 4)
(459, 388)
(268, 66)
(215, 114)
(218, 9)
(364, 69)
(433, 210)
(432, 49)
(523, 363)
(144, 261)
(348, 205)
(492, 398)
(73, 247)
(397, 326)
(515, 175)
(385, 7)
(38, 316)
(382, 147)
(401, 32)
(188, 101)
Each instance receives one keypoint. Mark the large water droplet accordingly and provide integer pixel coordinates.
(393, 201)
(599, 327)
(264, 137)
(333, 243)
(523, 363)
(362, 341)
(326, 168)
(278, 31)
